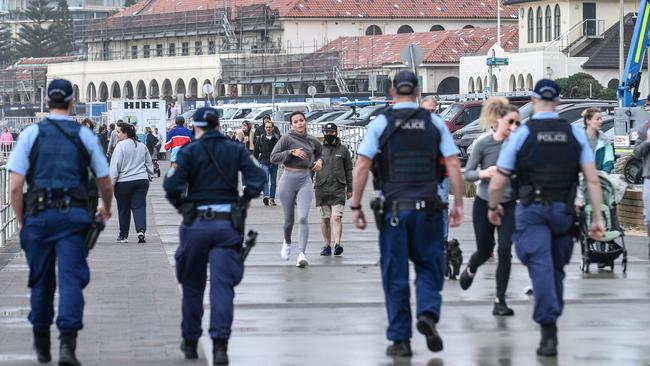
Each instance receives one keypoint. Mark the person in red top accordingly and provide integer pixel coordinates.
(177, 137)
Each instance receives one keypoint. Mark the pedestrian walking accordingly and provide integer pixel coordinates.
(299, 153)
(177, 137)
(547, 155)
(404, 146)
(131, 171)
(6, 140)
(502, 118)
(112, 140)
(54, 217)
(202, 184)
(260, 130)
(642, 151)
(601, 145)
(264, 145)
(333, 185)
(161, 141)
(246, 135)
(151, 141)
(103, 140)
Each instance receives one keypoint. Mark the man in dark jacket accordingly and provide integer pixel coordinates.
(264, 144)
(333, 185)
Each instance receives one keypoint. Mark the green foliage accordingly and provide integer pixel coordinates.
(128, 3)
(577, 86)
(49, 33)
(63, 28)
(7, 50)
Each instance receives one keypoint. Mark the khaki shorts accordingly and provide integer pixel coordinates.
(326, 211)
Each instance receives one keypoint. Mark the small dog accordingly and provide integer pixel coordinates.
(453, 259)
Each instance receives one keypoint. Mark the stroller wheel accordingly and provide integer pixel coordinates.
(624, 265)
(158, 172)
(584, 265)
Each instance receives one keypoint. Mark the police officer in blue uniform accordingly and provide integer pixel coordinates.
(53, 157)
(202, 184)
(403, 147)
(546, 155)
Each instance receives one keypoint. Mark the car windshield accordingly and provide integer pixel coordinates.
(257, 113)
(450, 112)
(229, 112)
(365, 112)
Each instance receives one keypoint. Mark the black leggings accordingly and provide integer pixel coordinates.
(131, 196)
(484, 232)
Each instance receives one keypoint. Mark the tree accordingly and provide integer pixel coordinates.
(63, 28)
(35, 40)
(578, 86)
(128, 3)
(7, 52)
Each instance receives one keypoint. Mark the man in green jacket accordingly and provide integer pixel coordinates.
(333, 185)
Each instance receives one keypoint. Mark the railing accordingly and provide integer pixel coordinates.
(19, 123)
(8, 222)
(350, 136)
(586, 28)
(5, 151)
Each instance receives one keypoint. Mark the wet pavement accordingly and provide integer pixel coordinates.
(331, 313)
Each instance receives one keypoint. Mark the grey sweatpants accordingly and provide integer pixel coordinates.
(295, 189)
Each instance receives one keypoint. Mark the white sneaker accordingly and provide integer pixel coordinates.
(302, 261)
(285, 253)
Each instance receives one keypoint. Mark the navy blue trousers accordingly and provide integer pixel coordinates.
(544, 245)
(213, 243)
(51, 236)
(419, 239)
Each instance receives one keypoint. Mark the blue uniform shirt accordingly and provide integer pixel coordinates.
(19, 159)
(370, 144)
(508, 155)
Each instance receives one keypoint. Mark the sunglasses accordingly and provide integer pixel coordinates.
(514, 121)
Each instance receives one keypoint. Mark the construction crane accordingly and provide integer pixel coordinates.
(631, 113)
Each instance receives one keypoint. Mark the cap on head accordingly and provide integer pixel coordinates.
(60, 91)
(547, 90)
(405, 82)
(330, 127)
(202, 115)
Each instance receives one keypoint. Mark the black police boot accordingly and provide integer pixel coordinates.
(67, 350)
(548, 344)
(42, 346)
(219, 352)
(189, 347)
(501, 309)
(427, 325)
(399, 349)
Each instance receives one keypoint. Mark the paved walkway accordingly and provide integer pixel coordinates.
(331, 313)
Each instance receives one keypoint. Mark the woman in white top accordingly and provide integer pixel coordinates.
(131, 171)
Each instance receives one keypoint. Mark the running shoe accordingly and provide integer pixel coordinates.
(272, 202)
(285, 253)
(122, 240)
(326, 251)
(266, 201)
(302, 261)
(338, 249)
(141, 239)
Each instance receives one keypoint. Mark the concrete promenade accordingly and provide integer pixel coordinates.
(331, 313)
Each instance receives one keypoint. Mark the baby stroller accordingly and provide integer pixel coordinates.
(612, 245)
(156, 167)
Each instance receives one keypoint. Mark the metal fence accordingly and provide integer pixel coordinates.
(8, 222)
(5, 151)
(19, 123)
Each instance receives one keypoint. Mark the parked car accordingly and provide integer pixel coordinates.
(458, 115)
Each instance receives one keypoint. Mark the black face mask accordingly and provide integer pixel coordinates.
(330, 139)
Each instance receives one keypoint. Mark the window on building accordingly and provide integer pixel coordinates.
(146, 50)
(172, 49)
(547, 26)
(539, 24)
(373, 30)
(134, 52)
(212, 47)
(531, 32)
(558, 19)
(405, 29)
(185, 48)
(198, 48)
(159, 50)
(437, 27)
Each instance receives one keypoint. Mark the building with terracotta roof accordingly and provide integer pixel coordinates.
(163, 48)
(557, 38)
(22, 81)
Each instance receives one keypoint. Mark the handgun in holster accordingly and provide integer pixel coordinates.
(188, 210)
(96, 227)
(377, 206)
(238, 216)
(249, 242)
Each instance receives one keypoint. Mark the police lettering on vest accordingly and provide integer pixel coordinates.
(549, 160)
(406, 165)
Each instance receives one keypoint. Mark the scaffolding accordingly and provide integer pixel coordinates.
(21, 85)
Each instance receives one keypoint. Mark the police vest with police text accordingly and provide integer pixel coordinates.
(55, 161)
(408, 160)
(549, 159)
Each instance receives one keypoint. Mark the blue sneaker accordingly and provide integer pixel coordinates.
(326, 251)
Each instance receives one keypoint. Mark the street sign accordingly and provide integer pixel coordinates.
(278, 84)
(412, 55)
(207, 89)
(372, 82)
(311, 90)
(497, 61)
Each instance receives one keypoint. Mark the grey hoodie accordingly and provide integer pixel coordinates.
(281, 153)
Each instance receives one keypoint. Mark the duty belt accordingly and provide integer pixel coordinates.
(430, 206)
(211, 215)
